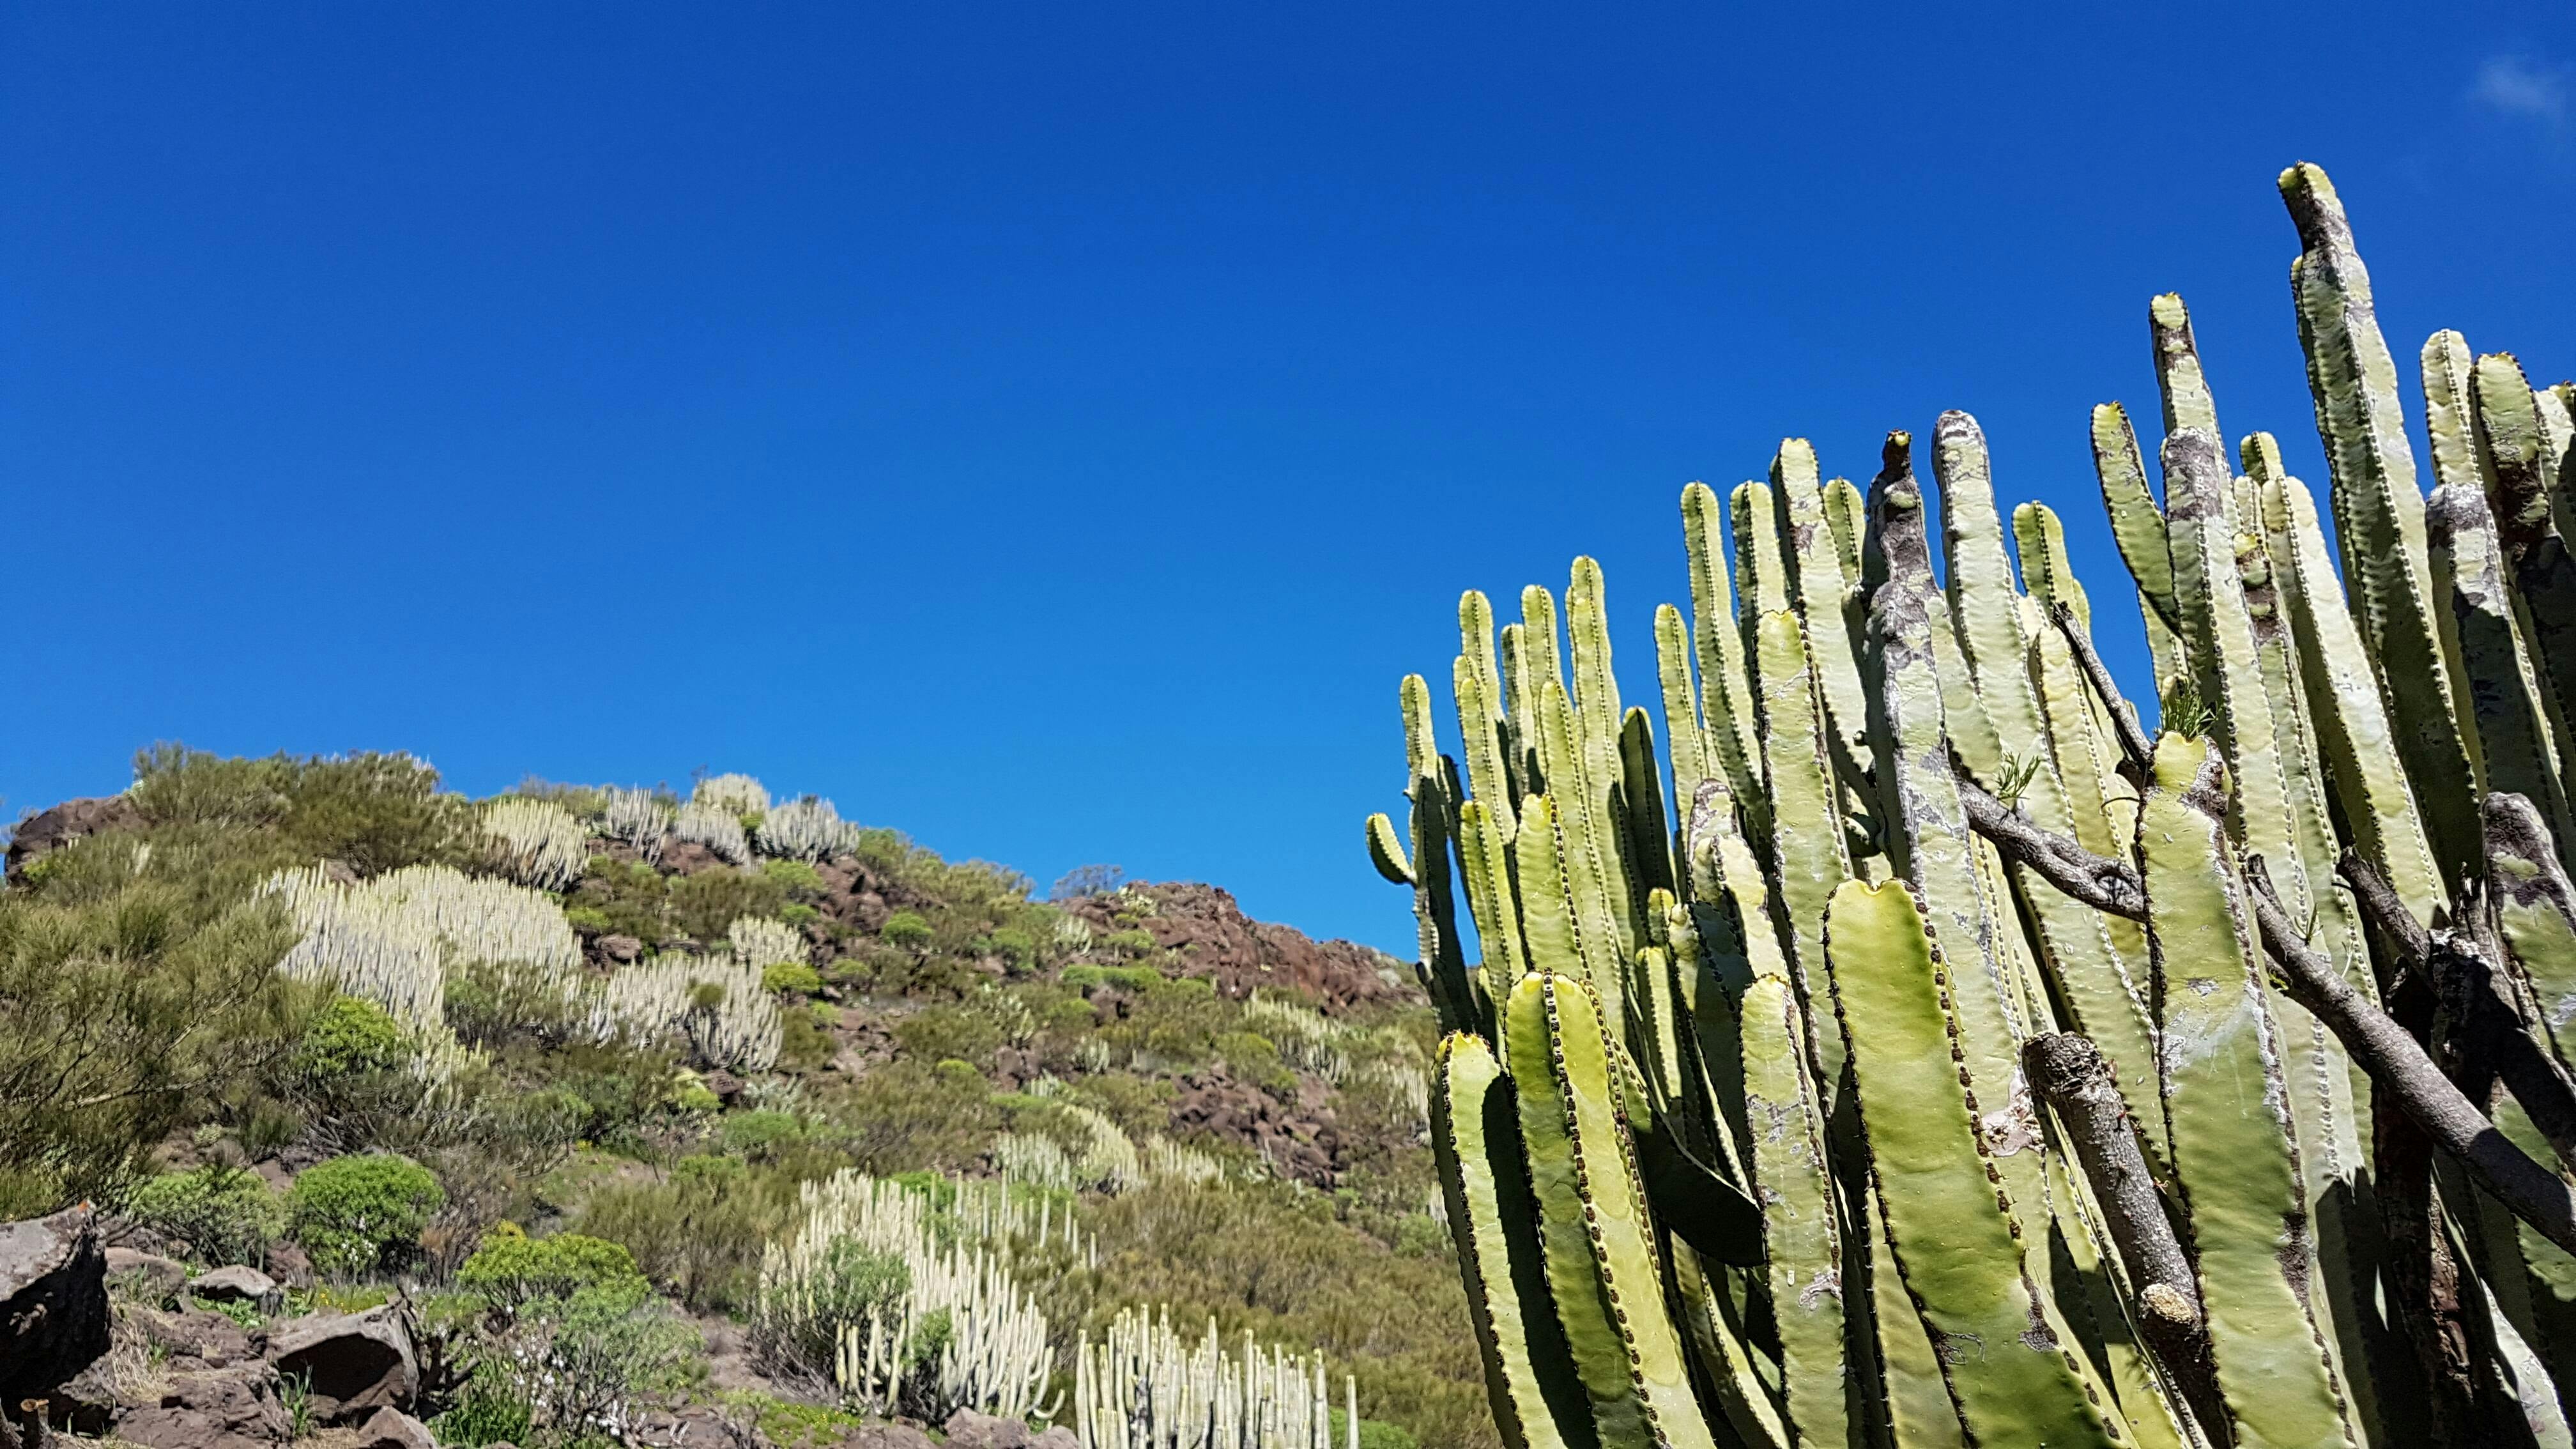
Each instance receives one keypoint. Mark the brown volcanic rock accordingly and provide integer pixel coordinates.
(1301, 1141)
(237, 1407)
(1217, 940)
(53, 829)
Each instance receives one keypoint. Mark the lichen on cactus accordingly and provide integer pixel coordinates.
(1737, 1140)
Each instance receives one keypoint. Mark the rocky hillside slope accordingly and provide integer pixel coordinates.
(334, 1051)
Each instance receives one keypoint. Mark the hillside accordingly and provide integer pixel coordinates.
(545, 1080)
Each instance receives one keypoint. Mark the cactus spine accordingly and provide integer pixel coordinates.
(1734, 1129)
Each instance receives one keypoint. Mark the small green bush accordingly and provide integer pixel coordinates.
(226, 1214)
(510, 1268)
(961, 1032)
(700, 1232)
(798, 915)
(356, 1214)
(803, 1044)
(588, 920)
(757, 1134)
(1374, 1433)
(1012, 944)
(352, 1037)
(855, 1283)
(793, 976)
(799, 880)
(905, 929)
(490, 1411)
(588, 1359)
(1255, 1059)
(1129, 943)
(703, 906)
(1131, 978)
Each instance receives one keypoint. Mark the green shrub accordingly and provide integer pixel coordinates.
(905, 929)
(352, 1037)
(795, 877)
(175, 785)
(489, 1412)
(855, 1282)
(377, 812)
(960, 1032)
(133, 1004)
(1374, 1433)
(510, 1268)
(1012, 944)
(791, 1425)
(908, 1114)
(1255, 1059)
(586, 1359)
(588, 920)
(703, 906)
(356, 1214)
(700, 1232)
(1137, 1104)
(799, 916)
(226, 1214)
(793, 976)
(1129, 943)
(803, 1044)
(756, 1134)
(1131, 978)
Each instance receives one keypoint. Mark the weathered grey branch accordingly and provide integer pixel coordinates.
(2105, 885)
(2136, 750)
(2397, 1063)
(2069, 1074)
(2382, 909)
(2464, 974)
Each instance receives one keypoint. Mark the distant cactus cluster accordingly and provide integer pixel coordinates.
(735, 795)
(731, 815)
(1145, 1386)
(1104, 1158)
(806, 829)
(762, 943)
(714, 827)
(394, 939)
(717, 1003)
(1941, 1060)
(536, 842)
(989, 1352)
(639, 818)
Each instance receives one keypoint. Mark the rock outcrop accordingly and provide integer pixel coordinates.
(355, 1362)
(53, 1302)
(49, 830)
(1218, 941)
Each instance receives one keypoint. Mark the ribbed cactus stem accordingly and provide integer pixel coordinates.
(2379, 509)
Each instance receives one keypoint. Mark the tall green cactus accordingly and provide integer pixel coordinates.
(1733, 1123)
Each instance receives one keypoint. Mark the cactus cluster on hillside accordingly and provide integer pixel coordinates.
(1942, 1061)
(1144, 1386)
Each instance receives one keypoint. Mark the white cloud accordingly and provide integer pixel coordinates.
(2517, 86)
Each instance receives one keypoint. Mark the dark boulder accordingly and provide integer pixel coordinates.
(49, 830)
(355, 1362)
(53, 1302)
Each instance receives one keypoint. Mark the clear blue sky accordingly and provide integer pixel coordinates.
(1052, 431)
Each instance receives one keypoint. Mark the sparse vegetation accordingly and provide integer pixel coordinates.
(936, 1024)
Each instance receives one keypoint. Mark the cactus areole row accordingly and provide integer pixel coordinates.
(1915, 1052)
